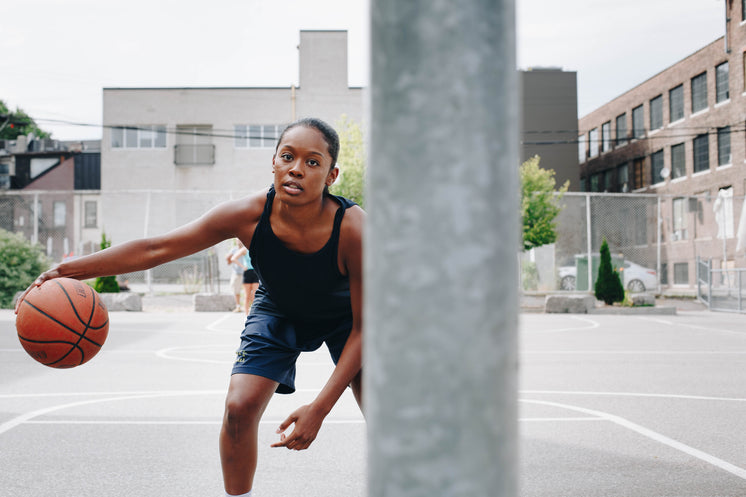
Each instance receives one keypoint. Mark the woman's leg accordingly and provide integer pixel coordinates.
(248, 297)
(248, 396)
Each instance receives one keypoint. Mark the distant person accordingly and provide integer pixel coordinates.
(307, 249)
(237, 270)
(249, 277)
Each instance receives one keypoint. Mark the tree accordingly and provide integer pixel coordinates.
(106, 284)
(20, 263)
(539, 203)
(608, 285)
(351, 161)
(14, 124)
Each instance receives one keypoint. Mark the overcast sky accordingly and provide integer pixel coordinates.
(57, 56)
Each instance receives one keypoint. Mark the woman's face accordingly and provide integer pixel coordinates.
(302, 165)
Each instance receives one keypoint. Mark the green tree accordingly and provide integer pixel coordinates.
(20, 263)
(14, 124)
(351, 161)
(106, 284)
(608, 285)
(540, 204)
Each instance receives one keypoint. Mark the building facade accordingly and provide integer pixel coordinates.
(682, 135)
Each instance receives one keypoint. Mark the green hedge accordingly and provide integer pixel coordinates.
(20, 264)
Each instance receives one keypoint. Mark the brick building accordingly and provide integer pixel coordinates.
(680, 134)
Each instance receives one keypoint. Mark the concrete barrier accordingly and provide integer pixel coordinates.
(211, 302)
(574, 304)
(123, 301)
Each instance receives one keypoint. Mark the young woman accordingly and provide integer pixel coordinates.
(306, 247)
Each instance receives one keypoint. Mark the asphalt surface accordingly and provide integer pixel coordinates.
(609, 406)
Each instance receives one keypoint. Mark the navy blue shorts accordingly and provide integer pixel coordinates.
(270, 346)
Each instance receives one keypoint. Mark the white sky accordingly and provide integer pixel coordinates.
(55, 56)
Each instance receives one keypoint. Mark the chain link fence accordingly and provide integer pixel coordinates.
(655, 240)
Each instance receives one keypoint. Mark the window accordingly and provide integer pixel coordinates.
(4, 176)
(701, 153)
(608, 181)
(656, 166)
(90, 208)
(744, 71)
(656, 112)
(641, 225)
(621, 129)
(681, 273)
(606, 136)
(676, 103)
(593, 142)
(724, 146)
(678, 161)
(638, 122)
(664, 273)
(622, 177)
(60, 211)
(722, 90)
(138, 137)
(257, 135)
(699, 92)
(743, 10)
(679, 218)
(594, 182)
(581, 149)
(194, 146)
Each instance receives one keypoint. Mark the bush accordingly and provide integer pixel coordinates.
(106, 284)
(20, 264)
(609, 287)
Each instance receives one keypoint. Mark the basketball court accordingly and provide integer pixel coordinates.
(609, 405)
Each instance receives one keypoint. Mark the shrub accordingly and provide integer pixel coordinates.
(609, 287)
(20, 263)
(106, 284)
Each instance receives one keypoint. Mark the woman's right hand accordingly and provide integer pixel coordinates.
(46, 275)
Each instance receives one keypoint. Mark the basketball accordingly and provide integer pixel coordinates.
(63, 323)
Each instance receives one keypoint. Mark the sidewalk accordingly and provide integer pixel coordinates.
(535, 303)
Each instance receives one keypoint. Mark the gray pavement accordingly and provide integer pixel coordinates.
(609, 405)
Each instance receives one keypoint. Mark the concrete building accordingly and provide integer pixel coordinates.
(679, 134)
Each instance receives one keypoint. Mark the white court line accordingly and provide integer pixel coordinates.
(214, 326)
(593, 324)
(653, 435)
(636, 394)
(636, 352)
(273, 422)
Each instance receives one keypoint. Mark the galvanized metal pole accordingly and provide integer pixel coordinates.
(441, 292)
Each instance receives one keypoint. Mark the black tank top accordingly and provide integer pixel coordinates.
(300, 286)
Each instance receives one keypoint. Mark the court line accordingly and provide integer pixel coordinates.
(273, 422)
(653, 435)
(635, 394)
(593, 324)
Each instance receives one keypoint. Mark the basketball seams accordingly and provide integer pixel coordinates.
(68, 328)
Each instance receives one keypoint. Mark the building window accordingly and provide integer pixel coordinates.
(664, 273)
(608, 181)
(681, 273)
(593, 142)
(622, 177)
(638, 122)
(581, 149)
(722, 90)
(679, 218)
(90, 208)
(656, 112)
(621, 129)
(257, 135)
(656, 166)
(744, 70)
(678, 161)
(743, 10)
(194, 146)
(701, 153)
(4, 176)
(699, 92)
(676, 103)
(60, 211)
(724, 146)
(138, 136)
(594, 182)
(606, 136)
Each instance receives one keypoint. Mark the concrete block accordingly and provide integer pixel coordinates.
(211, 302)
(123, 301)
(573, 304)
(643, 299)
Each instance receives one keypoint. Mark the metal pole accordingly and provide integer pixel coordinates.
(660, 241)
(35, 234)
(441, 359)
(588, 241)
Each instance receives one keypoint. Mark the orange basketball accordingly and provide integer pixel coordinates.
(63, 323)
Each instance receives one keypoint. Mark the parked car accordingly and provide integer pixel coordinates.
(635, 278)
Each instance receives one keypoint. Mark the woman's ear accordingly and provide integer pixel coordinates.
(332, 177)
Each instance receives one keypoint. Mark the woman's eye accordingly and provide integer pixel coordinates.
(313, 163)
(287, 156)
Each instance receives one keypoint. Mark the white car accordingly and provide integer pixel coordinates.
(635, 278)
